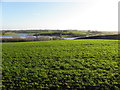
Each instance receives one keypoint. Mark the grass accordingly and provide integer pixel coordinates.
(10, 33)
(72, 33)
(66, 64)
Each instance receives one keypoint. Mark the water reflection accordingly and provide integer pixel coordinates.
(26, 36)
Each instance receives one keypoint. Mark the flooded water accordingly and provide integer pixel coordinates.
(14, 36)
(26, 36)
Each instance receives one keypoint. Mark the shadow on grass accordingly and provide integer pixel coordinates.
(112, 37)
(27, 39)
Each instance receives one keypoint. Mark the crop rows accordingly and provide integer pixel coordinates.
(64, 64)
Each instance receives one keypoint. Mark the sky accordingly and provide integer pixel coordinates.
(100, 15)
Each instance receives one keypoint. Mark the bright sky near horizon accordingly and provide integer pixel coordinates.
(83, 15)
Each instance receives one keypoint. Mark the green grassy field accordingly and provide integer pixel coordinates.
(10, 33)
(91, 64)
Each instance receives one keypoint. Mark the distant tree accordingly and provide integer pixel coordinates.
(60, 33)
(89, 30)
(3, 32)
(37, 34)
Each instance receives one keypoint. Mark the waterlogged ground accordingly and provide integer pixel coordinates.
(90, 64)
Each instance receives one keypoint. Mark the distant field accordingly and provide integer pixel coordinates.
(76, 64)
(61, 33)
(9, 33)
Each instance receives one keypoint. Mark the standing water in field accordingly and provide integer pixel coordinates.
(27, 36)
(16, 36)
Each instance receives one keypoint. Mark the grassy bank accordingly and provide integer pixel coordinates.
(75, 64)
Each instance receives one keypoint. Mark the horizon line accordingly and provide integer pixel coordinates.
(61, 29)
